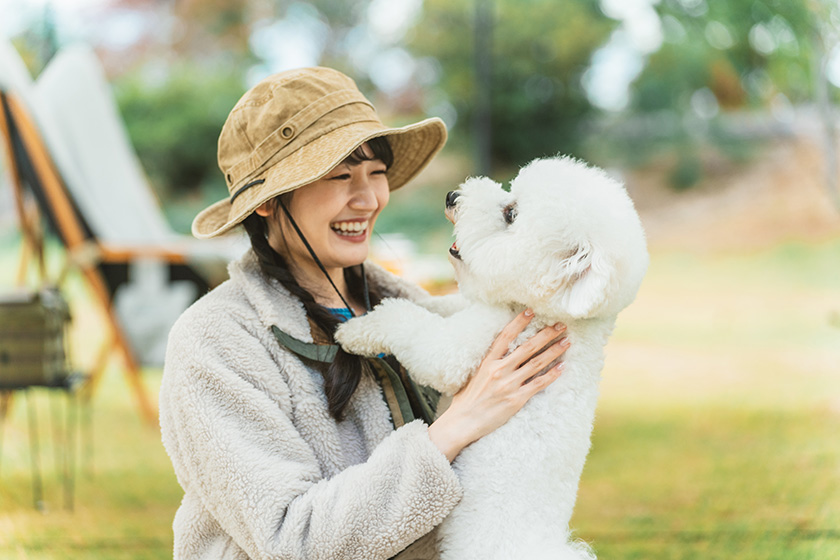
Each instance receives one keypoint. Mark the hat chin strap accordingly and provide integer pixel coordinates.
(323, 269)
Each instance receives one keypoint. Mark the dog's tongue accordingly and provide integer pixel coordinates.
(455, 246)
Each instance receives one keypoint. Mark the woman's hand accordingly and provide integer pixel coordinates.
(501, 386)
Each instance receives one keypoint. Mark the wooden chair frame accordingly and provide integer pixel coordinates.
(84, 252)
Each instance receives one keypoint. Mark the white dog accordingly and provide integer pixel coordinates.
(565, 241)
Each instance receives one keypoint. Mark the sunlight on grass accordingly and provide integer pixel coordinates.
(716, 434)
(125, 496)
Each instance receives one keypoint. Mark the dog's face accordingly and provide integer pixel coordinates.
(565, 241)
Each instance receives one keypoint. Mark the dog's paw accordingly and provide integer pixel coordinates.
(369, 335)
(359, 336)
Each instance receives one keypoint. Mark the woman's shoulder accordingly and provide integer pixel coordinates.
(222, 310)
(222, 340)
(248, 298)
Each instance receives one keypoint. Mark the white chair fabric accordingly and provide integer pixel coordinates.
(74, 108)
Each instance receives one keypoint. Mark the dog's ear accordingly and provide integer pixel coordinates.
(583, 278)
(589, 290)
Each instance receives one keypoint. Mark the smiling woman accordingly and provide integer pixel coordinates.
(261, 413)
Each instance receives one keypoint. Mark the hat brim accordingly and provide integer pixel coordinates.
(413, 147)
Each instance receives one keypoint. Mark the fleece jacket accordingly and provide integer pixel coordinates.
(266, 471)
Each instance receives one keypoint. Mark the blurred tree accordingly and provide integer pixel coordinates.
(174, 125)
(175, 90)
(207, 28)
(715, 56)
(483, 103)
(540, 51)
(826, 33)
(746, 52)
(717, 59)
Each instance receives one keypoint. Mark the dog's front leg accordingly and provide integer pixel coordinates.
(440, 352)
(445, 305)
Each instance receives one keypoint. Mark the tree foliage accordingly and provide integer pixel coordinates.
(174, 126)
(745, 52)
(541, 48)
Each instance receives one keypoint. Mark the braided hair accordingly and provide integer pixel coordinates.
(342, 376)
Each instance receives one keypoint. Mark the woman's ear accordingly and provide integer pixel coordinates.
(265, 209)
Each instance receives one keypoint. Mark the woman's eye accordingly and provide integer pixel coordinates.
(342, 177)
(509, 213)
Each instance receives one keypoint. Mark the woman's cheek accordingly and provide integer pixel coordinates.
(384, 197)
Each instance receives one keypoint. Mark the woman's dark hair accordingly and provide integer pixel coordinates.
(342, 376)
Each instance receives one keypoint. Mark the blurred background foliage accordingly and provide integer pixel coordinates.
(175, 125)
(730, 54)
(612, 81)
(539, 57)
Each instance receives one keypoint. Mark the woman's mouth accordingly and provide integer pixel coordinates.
(350, 228)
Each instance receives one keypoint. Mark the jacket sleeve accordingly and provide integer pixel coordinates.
(233, 443)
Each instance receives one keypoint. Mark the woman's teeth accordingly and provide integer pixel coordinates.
(350, 229)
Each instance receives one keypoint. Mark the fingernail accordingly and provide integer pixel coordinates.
(559, 326)
(529, 312)
(561, 366)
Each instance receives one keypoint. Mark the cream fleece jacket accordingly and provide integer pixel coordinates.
(266, 471)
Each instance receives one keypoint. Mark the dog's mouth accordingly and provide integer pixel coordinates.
(449, 212)
(454, 251)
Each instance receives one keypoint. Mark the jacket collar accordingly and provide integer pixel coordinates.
(274, 305)
(272, 302)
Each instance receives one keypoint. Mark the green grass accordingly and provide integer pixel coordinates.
(125, 496)
(716, 434)
(705, 482)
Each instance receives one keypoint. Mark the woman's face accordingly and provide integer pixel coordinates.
(336, 215)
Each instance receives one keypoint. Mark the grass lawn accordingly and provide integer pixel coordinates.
(716, 436)
(717, 428)
(126, 493)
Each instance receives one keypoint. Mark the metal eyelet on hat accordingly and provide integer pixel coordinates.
(287, 132)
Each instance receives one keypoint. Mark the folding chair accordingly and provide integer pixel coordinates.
(67, 146)
(74, 89)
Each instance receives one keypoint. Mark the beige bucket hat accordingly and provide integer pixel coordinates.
(292, 129)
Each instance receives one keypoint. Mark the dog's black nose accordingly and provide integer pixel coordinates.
(450, 198)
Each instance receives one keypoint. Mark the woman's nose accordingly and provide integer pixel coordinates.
(364, 195)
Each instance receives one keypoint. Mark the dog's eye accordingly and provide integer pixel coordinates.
(509, 213)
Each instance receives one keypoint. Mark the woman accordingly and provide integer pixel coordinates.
(285, 446)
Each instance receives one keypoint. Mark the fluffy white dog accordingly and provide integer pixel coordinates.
(565, 241)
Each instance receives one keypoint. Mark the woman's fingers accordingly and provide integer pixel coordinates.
(543, 359)
(513, 329)
(537, 384)
(534, 344)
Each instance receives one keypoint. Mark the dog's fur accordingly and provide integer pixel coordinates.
(575, 253)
